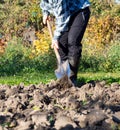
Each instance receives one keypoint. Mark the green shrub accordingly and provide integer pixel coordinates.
(18, 58)
(98, 53)
(107, 60)
(112, 61)
(12, 61)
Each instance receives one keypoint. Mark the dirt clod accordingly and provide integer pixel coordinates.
(60, 106)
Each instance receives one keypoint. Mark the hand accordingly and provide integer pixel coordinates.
(45, 18)
(54, 44)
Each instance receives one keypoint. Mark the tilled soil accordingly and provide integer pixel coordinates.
(60, 106)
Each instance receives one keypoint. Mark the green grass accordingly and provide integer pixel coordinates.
(46, 77)
(99, 76)
(27, 78)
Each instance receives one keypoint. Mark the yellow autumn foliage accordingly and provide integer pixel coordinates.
(100, 32)
(103, 29)
(3, 45)
(42, 44)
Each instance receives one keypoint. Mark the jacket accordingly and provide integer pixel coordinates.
(62, 10)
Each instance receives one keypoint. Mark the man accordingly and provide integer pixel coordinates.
(71, 20)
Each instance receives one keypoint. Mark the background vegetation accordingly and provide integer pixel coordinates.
(19, 54)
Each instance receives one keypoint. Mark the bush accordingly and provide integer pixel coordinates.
(112, 61)
(101, 31)
(107, 60)
(100, 52)
(12, 61)
(18, 58)
(17, 15)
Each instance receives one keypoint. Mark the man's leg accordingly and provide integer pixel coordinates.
(78, 25)
(63, 46)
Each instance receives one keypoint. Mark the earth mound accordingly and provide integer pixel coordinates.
(60, 106)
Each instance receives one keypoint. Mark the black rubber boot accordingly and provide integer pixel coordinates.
(74, 65)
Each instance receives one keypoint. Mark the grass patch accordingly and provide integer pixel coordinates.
(109, 77)
(46, 77)
(28, 78)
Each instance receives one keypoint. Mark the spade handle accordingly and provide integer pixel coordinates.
(55, 49)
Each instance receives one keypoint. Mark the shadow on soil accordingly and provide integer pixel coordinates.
(82, 81)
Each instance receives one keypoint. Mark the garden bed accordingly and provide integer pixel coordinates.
(60, 106)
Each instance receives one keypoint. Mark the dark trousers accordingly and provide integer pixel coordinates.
(70, 41)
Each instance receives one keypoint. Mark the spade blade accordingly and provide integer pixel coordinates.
(62, 70)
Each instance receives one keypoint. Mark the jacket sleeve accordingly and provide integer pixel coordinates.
(59, 8)
(62, 16)
(45, 6)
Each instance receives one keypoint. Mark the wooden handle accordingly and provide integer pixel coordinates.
(55, 49)
(50, 29)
